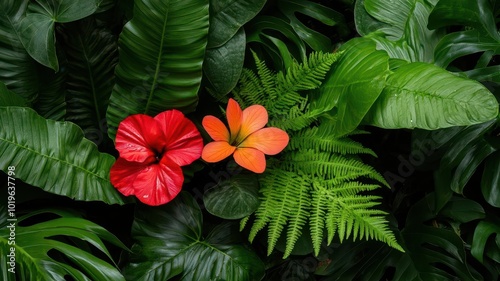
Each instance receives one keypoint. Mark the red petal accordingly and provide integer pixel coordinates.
(251, 159)
(139, 138)
(217, 151)
(254, 118)
(159, 183)
(123, 174)
(234, 116)
(215, 128)
(271, 141)
(183, 140)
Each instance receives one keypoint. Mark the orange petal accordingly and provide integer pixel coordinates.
(234, 118)
(271, 141)
(250, 159)
(215, 128)
(254, 118)
(217, 151)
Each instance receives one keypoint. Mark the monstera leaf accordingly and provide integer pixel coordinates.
(56, 248)
(169, 245)
(54, 156)
(160, 59)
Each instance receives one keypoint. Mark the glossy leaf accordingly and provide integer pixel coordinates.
(161, 52)
(482, 233)
(91, 52)
(54, 156)
(414, 97)
(9, 98)
(462, 210)
(365, 23)
(478, 14)
(223, 65)
(228, 16)
(36, 246)
(490, 182)
(235, 198)
(169, 245)
(353, 84)
(37, 28)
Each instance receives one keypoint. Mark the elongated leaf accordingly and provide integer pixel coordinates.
(51, 99)
(235, 198)
(160, 61)
(353, 84)
(37, 28)
(228, 16)
(490, 182)
(9, 98)
(482, 233)
(414, 97)
(92, 55)
(223, 65)
(169, 244)
(17, 69)
(54, 156)
(35, 247)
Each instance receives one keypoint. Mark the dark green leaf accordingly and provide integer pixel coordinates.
(160, 61)
(169, 244)
(414, 97)
(482, 233)
(462, 210)
(490, 182)
(353, 84)
(54, 156)
(234, 198)
(51, 100)
(36, 245)
(490, 73)
(9, 98)
(228, 16)
(37, 28)
(477, 14)
(365, 24)
(222, 65)
(91, 52)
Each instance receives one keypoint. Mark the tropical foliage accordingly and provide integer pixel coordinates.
(388, 109)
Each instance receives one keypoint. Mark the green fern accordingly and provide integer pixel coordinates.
(318, 179)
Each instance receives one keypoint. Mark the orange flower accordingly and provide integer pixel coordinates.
(247, 139)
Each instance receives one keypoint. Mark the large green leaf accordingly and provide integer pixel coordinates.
(228, 16)
(51, 99)
(482, 233)
(54, 156)
(9, 98)
(45, 251)
(420, 95)
(17, 69)
(353, 84)
(223, 65)
(490, 182)
(91, 52)
(234, 198)
(160, 59)
(169, 245)
(37, 28)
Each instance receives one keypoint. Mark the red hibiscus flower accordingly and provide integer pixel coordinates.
(152, 151)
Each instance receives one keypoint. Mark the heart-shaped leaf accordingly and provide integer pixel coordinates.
(169, 245)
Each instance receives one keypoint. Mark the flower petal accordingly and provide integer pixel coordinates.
(183, 142)
(123, 173)
(215, 128)
(159, 183)
(250, 159)
(254, 118)
(217, 151)
(139, 138)
(234, 118)
(271, 140)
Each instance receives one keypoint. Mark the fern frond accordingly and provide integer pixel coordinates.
(298, 218)
(349, 188)
(319, 204)
(329, 166)
(310, 139)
